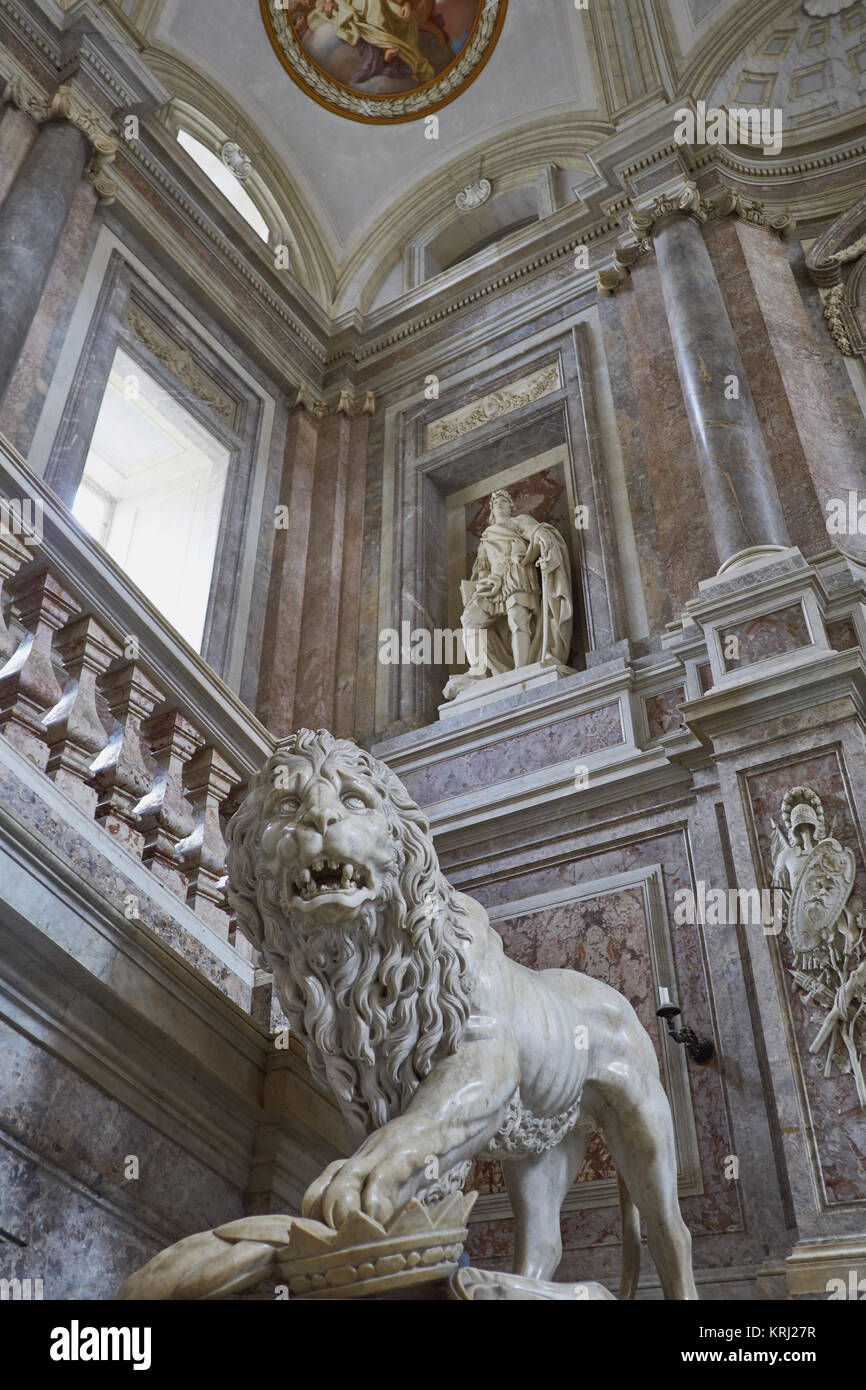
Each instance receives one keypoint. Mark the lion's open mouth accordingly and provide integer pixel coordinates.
(329, 876)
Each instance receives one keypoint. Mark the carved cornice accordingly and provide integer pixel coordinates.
(66, 104)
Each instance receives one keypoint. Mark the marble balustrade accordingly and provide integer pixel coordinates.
(121, 715)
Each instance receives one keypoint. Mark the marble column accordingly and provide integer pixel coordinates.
(743, 503)
(32, 219)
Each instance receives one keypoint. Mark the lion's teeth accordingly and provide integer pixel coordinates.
(348, 873)
(318, 865)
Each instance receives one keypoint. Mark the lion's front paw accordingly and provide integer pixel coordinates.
(370, 1182)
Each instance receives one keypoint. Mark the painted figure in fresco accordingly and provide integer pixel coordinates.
(518, 607)
(386, 33)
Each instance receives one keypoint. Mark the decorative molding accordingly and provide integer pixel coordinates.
(835, 323)
(843, 243)
(494, 406)
(181, 362)
(283, 310)
(236, 161)
(473, 195)
(346, 403)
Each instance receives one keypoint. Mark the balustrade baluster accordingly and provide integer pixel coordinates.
(74, 730)
(121, 773)
(166, 816)
(13, 554)
(208, 779)
(28, 684)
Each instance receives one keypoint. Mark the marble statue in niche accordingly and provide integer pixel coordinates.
(826, 928)
(438, 1049)
(517, 602)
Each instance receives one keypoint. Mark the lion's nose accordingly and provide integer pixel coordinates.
(320, 815)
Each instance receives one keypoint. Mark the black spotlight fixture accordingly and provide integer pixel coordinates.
(700, 1050)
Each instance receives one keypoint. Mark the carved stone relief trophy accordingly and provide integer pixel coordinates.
(827, 931)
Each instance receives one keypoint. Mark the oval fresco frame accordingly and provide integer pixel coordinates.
(390, 109)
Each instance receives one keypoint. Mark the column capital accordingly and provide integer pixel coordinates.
(68, 104)
(683, 198)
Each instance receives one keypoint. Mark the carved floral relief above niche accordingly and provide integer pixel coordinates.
(180, 362)
(493, 406)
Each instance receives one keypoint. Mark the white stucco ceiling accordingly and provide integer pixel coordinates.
(350, 173)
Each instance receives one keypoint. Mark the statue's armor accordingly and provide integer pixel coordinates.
(496, 557)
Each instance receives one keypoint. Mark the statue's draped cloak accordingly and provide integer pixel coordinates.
(494, 557)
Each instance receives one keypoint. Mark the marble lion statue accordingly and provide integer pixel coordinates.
(437, 1047)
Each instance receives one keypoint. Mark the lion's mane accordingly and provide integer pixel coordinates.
(378, 1003)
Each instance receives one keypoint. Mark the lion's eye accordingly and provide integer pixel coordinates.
(354, 802)
(287, 806)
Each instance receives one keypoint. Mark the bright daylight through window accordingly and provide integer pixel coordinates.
(152, 492)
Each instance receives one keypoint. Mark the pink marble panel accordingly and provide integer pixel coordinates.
(511, 757)
(768, 635)
(607, 936)
(662, 712)
(842, 635)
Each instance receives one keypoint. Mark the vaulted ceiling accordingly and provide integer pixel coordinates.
(560, 81)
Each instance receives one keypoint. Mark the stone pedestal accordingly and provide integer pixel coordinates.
(484, 692)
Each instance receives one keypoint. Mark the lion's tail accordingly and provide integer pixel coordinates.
(630, 1241)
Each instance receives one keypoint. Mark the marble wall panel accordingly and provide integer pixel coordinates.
(518, 754)
(833, 1115)
(25, 396)
(842, 634)
(63, 1145)
(607, 936)
(770, 634)
(662, 711)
